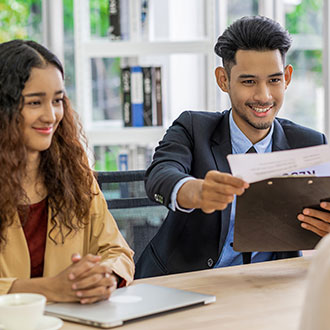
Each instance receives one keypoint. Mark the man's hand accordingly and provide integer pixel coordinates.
(315, 220)
(213, 193)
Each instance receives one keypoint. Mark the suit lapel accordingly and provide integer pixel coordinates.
(221, 144)
(221, 147)
(280, 141)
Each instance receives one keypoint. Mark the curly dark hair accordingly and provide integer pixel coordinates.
(64, 166)
(251, 33)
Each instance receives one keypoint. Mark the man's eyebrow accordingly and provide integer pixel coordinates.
(277, 74)
(249, 76)
(42, 93)
(246, 76)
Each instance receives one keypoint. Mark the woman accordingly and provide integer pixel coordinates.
(57, 237)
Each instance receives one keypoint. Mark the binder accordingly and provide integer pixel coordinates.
(266, 214)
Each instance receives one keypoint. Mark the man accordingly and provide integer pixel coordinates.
(190, 173)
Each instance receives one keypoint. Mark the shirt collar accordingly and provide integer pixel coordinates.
(241, 144)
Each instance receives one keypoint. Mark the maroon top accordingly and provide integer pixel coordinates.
(35, 230)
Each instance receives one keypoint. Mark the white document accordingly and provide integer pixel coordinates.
(254, 167)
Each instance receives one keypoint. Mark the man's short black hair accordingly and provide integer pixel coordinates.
(251, 33)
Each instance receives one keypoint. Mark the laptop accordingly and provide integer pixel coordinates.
(128, 303)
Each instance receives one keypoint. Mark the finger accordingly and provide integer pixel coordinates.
(226, 178)
(210, 206)
(313, 229)
(213, 197)
(83, 265)
(324, 216)
(316, 223)
(101, 292)
(100, 279)
(91, 300)
(96, 268)
(325, 205)
(88, 282)
(75, 257)
(221, 189)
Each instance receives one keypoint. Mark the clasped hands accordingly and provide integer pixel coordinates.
(86, 280)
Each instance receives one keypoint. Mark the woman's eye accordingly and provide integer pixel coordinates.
(33, 103)
(59, 101)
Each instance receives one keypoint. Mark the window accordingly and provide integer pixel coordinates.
(238, 8)
(304, 100)
(20, 19)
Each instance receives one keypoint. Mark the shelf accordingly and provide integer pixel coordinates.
(107, 48)
(124, 135)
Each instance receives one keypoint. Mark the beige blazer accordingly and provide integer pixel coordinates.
(100, 237)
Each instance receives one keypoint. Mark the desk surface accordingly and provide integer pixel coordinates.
(263, 296)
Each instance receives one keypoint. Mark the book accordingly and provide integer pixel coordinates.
(98, 158)
(145, 20)
(122, 157)
(114, 20)
(137, 96)
(158, 106)
(147, 96)
(126, 96)
(124, 19)
(135, 20)
(110, 158)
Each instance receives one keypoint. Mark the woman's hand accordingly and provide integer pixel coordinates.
(86, 281)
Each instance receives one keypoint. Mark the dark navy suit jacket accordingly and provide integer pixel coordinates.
(196, 143)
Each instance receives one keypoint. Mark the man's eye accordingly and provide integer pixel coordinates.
(275, 80)
(248, 82)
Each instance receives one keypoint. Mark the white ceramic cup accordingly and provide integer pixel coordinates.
(20, 311)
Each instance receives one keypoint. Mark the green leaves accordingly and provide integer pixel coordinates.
(20, 19)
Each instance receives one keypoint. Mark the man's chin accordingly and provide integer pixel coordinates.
(261, 126)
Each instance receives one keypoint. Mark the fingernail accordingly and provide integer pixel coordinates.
(323, 204)
(83, 301)
(79, 293)
(306, 211)
(303, 225)
(300, 217)
(74, 286)
(71, 276)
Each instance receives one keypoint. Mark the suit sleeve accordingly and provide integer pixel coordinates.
(172, 160)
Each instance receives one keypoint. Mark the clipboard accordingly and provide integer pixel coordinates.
(266, 214)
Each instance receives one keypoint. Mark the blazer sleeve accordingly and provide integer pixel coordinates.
(107, 241)
(172, 160)
(5, 284)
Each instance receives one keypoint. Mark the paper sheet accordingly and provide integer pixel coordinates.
(254, 167)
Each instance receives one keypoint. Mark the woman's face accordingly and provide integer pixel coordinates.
(43, 107)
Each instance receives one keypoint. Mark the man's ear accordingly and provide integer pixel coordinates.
(287, 75)
(222, 78)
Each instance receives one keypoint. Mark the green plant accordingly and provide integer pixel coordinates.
(20, 19)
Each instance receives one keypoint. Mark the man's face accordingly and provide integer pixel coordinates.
(256, 89)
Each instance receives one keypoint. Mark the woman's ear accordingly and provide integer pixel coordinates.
(222, 78)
